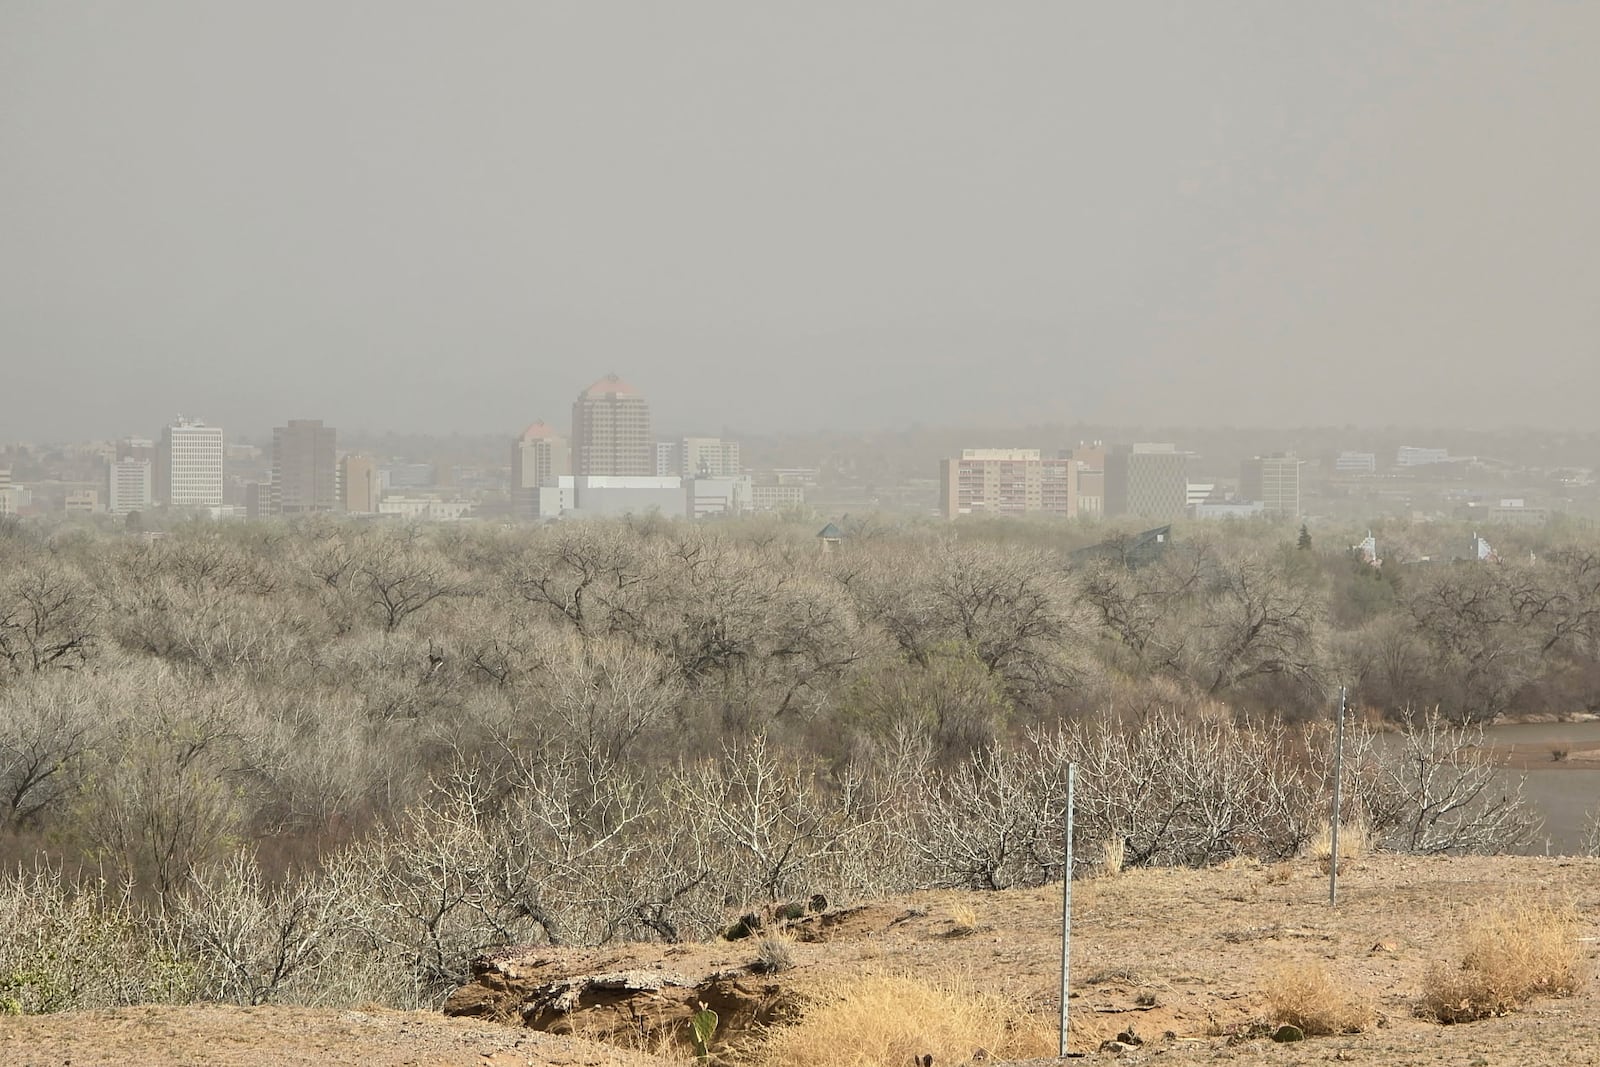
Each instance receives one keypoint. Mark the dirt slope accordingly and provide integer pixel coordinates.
(1183, 953)
(207, 1035)
(1181, 956)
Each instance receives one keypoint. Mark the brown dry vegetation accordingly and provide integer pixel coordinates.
(1511, 951)
(1306, 996)
(890, 1018)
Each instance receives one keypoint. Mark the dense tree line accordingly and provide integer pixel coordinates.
(282, 750)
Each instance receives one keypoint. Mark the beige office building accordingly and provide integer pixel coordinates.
(1274, 481)
(611, 435)
(358, 485)
(708, 457)
(1006, 481)
(1089, 463)
(540, 458)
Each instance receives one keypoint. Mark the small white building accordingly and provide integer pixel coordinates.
(554, 501)
(1356, 463)
(1412, 456)
(1250, 510)
(424, 508)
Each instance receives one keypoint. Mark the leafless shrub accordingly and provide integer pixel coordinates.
(1439, 791)
(256, 943)
(82, 946)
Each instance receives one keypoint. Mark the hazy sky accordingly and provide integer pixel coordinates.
(452, 216)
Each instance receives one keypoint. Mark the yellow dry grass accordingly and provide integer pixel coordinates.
(1512, 950)
(1304, 995)
(1113, 855)
(963, 918)
(1354, 841)
(890, 1018)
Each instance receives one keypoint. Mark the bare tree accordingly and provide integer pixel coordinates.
(48, 618)
(1483, 648)
(604, 693)
(1258, 621)
(398, 577)
(46, 730)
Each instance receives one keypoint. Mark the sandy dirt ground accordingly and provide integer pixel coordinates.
(204, 1035)
(1183, 957)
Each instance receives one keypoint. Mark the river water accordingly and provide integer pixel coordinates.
(1567, 797)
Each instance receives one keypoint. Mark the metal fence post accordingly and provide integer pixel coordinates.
(1066, 910)
(1333, 818)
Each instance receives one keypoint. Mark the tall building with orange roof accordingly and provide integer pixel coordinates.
(611, 434)
(539, 455)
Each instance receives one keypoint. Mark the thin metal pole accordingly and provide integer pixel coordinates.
(1333, 817)
(1066, 910)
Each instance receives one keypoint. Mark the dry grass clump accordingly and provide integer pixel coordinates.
(891, 1018)
(1354, 841)
(1303, 995)
(963, 919)
(1512, 951)
(1113, 855)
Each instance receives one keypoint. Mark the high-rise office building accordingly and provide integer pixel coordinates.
(540, 458)
(1273, 480)
(358, 485)
(304, 467)
(130, 486)
(1089, 463)
(669, 459)
(611, 432)
(1146, 481)
(708, 457)
(188, 470)
(1006, 481)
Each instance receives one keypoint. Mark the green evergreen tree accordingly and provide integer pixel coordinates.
(1305, 538)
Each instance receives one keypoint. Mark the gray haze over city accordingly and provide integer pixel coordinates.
(438, 217)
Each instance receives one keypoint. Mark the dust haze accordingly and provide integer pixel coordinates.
(447, 218)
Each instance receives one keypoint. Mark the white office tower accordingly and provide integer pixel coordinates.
(130, 486)
(189, 466)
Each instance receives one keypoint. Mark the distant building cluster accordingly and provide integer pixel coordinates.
(613, 465)
(608, 462)
(611, 459)
(1147, 481)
